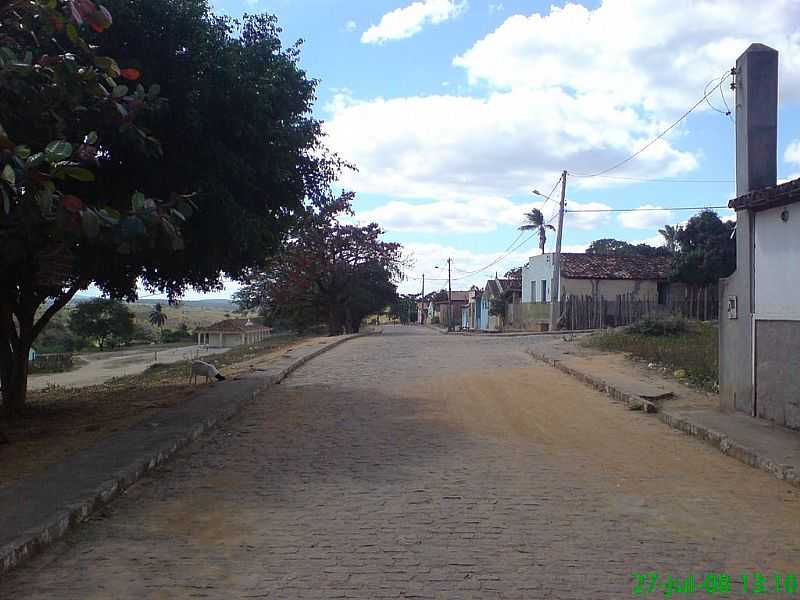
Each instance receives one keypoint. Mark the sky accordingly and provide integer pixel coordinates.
(454, 111)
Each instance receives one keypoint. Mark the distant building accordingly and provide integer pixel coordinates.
(232, 332)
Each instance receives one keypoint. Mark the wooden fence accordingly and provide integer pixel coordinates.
(593, 312)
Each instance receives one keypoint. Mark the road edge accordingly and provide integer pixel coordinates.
(35, 540)
(725, 444)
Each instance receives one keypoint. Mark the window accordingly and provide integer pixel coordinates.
(533, 291)
(544, 290)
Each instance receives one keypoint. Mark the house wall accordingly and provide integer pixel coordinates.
(611, 288)
(735, 334)
(777, 264)
(538, 268)
(528, 317)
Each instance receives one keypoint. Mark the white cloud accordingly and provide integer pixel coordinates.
(458, 146)
(427, 256)
(463, 216)
(792, 154)
(350, 26)
(408, 21)
(647, 53)
(646, 219)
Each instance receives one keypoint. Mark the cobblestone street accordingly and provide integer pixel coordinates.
(413, 464)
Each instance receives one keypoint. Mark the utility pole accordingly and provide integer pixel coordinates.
(555, 293)
(449, 299)
(421, 313)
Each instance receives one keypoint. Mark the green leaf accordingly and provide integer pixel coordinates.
(107, 64)
(44, 198)
(35, 160)
(177, 214)
(91, 223)
(78, 173)
(120, 91)
(58, 151)
(138, 202)
(92, 138)
(72, 33)
(22, 151)
(111, 216)
(8, 54)
(8, 175)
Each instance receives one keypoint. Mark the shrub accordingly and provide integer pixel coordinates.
(659, 326)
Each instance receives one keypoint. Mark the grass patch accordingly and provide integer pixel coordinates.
(691, 347)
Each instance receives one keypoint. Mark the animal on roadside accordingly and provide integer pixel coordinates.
(204, 369)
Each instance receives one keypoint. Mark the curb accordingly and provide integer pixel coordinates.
(33, 541)
(520, 333)
(718, 440)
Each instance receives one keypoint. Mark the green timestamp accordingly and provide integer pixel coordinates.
(714, 583)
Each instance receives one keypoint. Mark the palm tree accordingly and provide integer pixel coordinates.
(535, 220)
(157, 318)
(670, 233)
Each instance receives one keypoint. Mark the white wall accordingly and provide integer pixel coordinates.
(538, 268)
(777, 264)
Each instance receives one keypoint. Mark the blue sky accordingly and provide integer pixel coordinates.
(454, 110)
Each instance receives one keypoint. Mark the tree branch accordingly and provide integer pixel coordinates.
(56, 306)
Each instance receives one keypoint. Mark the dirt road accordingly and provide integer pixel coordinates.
(419, 465)
(99, 367)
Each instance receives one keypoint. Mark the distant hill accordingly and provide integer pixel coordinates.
(217, 304)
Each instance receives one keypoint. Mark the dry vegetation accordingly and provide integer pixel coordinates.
(692, 348)
(60, 421)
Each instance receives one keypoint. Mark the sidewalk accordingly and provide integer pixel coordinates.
(756, 442)
(43, 507)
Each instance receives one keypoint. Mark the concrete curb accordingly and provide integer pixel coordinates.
(34, 540)
(718, 440)
(520, 333)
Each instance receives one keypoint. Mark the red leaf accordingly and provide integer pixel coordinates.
(131, 74)
(72, 204)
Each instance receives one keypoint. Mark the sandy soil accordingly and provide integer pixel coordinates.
(99, 367)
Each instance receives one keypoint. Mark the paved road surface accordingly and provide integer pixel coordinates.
(102, 366)
(419, 465)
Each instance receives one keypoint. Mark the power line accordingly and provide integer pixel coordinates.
(664, 180)
(598, 210)
(658, 137)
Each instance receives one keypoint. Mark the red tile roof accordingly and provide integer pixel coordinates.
(769, 197)
(598, 266)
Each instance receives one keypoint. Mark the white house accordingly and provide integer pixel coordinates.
(761, 301)
(232, 332)
(641, 277)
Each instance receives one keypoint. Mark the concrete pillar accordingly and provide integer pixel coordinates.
(756, 168)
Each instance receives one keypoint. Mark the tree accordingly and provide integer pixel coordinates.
(515, 273)
(107, 177)
(535, 221)
(103, 320)
(707, 250)
(327, 272)
(158, 319)
(612, 247)
(405, 309)
(669, 233)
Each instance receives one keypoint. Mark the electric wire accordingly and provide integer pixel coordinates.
(657, 138)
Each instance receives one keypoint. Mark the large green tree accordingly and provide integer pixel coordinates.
(103, 320)
(612, 247)
(707, 250)
(107, 177)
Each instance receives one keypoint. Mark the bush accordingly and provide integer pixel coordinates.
(659, 326)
